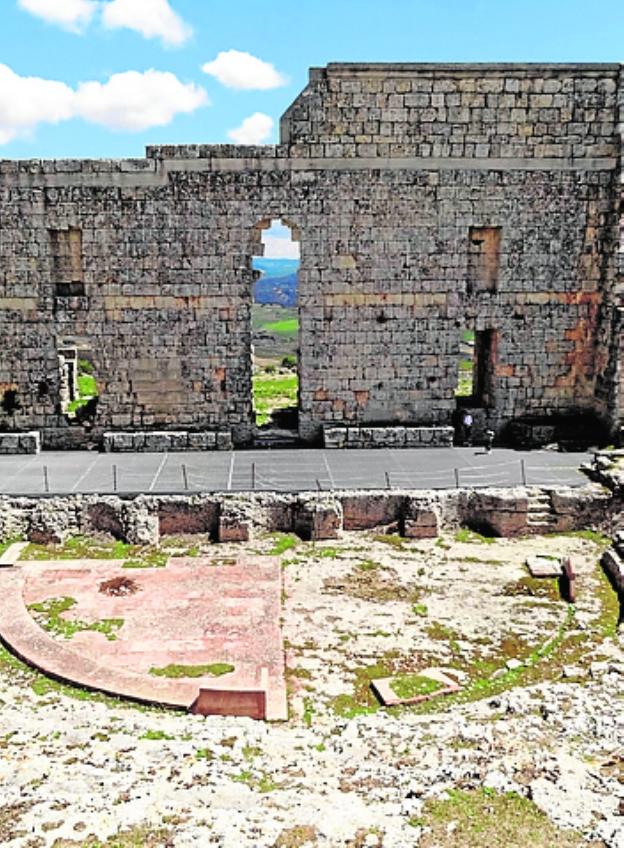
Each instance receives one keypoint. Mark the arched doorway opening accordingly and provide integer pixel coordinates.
(275, 328)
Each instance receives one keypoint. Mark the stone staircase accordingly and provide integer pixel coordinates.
(275, 438)
(540, 514)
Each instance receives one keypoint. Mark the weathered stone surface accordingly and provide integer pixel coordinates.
(318, 518)
(459, 196)
(14, 443)
(387, 437)
(235, 522)
(368, 510)
(420, 521)
(178, 516)
(165, 441)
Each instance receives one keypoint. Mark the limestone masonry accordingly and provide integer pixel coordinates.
(428, 199)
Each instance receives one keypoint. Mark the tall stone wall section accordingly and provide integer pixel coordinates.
(386, 171)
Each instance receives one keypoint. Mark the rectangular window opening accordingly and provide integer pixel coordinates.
(477, 363)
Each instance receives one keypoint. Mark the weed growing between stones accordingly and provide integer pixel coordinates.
(396, 542)
(282, 542)
(261, 783)
(48, 616)
(180, 671)
(480, 817)
(148, 558)
(297, 837)
(156, 735)
(136, 837)
(467, 536)
(81, 547)
(534, 587)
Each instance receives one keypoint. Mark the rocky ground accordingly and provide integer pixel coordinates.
(531, 752)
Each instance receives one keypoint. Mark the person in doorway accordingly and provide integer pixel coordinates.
(467, 425)
(489, 440)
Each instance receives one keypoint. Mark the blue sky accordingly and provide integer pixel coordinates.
(102, 78)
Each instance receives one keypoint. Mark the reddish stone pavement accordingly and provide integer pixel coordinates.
(192, 612)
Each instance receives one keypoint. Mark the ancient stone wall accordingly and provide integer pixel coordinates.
(227, 517)
(429, 200)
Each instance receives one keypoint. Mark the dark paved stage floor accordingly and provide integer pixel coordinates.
(285, 470)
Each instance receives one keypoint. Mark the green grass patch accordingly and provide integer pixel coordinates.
(283, 542)
(534, 587)
(156, 735)
(483, 817)
(396, 542)
(420, 610)
(175, 671)
(272, 392)
(260, 783)
(466, 536)
(48, 617)
(589, 535)
(81, 547)
(136, 837)
(414, 685)
(87, 389)
(148, 559)
(285, 327)
(367, 565)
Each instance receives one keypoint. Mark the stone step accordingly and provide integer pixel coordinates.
(10, 557)
(541, 519)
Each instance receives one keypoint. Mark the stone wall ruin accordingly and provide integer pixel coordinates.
(427, 198)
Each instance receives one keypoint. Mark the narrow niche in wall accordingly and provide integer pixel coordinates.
(67, 270)
(275, 327)
(484, 246)
(78, 386)
(477, 360)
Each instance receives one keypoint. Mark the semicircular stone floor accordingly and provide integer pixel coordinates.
(110, 628)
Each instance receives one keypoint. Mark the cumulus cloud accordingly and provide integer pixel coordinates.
(26, 102)
(129, 101)
(136, 101)
(254, 130)
(243, 71)
(152, 18)
(73, 15)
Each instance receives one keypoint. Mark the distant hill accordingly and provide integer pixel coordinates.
(278, 283)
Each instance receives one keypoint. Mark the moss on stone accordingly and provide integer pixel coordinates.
(175, 671)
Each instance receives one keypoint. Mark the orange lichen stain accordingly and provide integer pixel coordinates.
(321, 394)
(8, 387)
(581, 359)
(505, 371)
(338, 405)
(361, 398)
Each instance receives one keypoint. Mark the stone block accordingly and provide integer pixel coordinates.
(367, 511)
(181, 516)
(9, 443)
(235, 522)
(318, 518)
(420, 520)
(224, 441)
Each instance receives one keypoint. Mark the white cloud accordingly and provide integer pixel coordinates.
(130, 101)
(152, 18)
(279, 248)
(26, 102)
(254, 130)
(243, 71)
(73, 15)
(136, 101)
